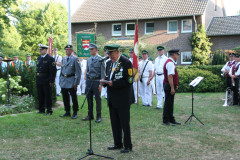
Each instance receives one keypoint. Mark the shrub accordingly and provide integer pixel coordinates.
(19, 104)
(210, 83)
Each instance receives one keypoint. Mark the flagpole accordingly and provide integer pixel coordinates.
(69, 24)
(138, 72)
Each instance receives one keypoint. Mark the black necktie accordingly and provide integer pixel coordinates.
(67, 59)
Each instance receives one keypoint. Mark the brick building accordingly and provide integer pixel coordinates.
(161, 22)
(224, 32)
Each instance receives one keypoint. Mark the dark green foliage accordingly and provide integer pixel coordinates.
(28, 80)
(212, 82)
(201, 47)
(219, 58)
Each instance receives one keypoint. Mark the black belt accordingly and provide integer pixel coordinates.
(42, 74)
(58, 69)
(67, 75)
(160, 74)
(93, 78)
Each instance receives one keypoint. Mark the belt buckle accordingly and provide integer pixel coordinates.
(65, 76)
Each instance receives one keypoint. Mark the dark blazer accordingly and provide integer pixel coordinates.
(46, 70)
(120, 93)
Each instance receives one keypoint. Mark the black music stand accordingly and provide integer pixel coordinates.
(193, 84)
(8, 82)
(90, 151)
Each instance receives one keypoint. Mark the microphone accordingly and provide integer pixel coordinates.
(105, 58)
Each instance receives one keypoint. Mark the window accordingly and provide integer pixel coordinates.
(117, 29)
(149, 28)
(172, 26)
(186, 57)
(186, 26)
(130, 29)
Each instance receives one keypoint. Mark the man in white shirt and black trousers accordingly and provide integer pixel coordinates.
(170, 84)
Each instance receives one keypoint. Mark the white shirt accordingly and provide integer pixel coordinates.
(4, 65)
(57, 59)
(131, 60)
(83, 66)
(226, 67)
(159, 63)
(171, 67)
(148, 68)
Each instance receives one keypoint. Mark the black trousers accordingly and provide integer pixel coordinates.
(44, 97)
(92, 87)
(66, 99)
(229, 82)
(120, 122)
(168, 105)
(236, 98)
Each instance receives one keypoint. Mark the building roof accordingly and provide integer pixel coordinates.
(224, 26)
(119, 10)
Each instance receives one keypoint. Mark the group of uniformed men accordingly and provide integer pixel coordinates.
(232, 71)
(116, 76)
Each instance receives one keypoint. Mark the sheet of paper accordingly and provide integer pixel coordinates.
(196, 81)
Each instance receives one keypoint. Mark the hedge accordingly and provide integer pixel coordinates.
(212, 82)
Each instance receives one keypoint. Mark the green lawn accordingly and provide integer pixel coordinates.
(33, 136)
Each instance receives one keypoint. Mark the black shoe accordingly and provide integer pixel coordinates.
(48, 114)
(58, 95)
(98, 120)
(40, 112)
(168, 124)
(176, 123)
(87, 118)
(114, 147)
(125, 150)
(158, 108)
(66, 115)
(74, 116)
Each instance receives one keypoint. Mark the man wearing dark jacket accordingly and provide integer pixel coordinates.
(119, 79)
(46, 72)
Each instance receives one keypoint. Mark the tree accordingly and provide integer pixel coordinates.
(36, 24)
(201, 47)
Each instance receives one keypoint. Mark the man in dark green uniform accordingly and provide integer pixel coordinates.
(119, 79)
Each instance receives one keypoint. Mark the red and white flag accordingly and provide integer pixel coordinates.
(135, 55)
(50, 44)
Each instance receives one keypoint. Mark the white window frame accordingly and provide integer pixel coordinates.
(146, 28)
(113, 30)
(168, 26)
(182, 57)
(126, 29)
(188, 31)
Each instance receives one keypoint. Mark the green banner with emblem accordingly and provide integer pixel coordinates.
(83, 41)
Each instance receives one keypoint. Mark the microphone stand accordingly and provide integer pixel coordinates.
(90, 151)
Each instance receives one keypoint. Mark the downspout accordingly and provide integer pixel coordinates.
(194, 18)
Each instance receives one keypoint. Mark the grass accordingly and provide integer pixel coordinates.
(39, 137)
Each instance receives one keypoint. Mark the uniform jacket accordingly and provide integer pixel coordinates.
(46, 70)
(95, 68)
(17, 65)
(70, 67)
(120, 94)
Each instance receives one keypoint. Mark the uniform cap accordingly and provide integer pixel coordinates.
(68, 46)
(160, 48)
(41, 46)
(15, 55)
(92, 45)
(144, 52)
(237, 55)
(171, 52)
(125, 55)
(28, 55)
(130, 50)
(111, 47)
(140, 57)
